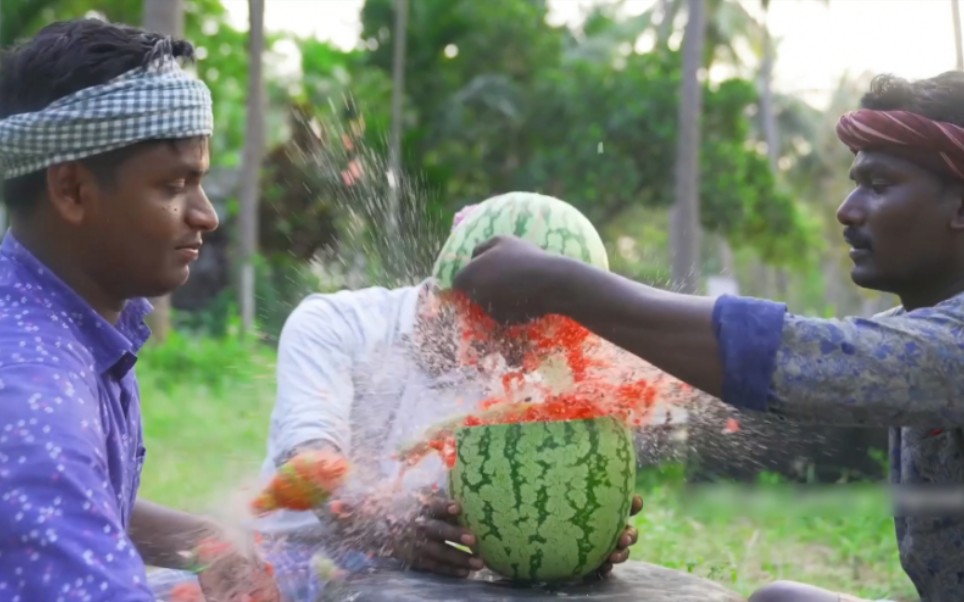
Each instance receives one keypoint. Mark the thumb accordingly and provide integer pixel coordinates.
(486, 246)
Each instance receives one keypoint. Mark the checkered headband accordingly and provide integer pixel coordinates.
(161, 101)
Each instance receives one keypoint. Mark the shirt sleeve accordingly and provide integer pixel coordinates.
(315, 388)
(890, 370)
(61, 533)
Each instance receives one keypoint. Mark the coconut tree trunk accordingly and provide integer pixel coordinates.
(956, 14)
(667, 12)
(778, 280)
(165, 17)
(685, 217)
(253, 153)
(399, 36)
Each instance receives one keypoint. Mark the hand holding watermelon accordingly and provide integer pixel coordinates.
(423, 544)
(627, 540)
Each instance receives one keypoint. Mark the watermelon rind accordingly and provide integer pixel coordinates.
(550, 223)
(547, 501)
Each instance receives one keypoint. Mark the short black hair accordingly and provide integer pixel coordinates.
(940, 98)
(64, 58)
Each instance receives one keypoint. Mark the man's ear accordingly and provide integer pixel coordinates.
(70, 187)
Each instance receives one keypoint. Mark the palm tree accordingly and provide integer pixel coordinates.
(166, 17)
(685, 232)
(398, 95)
(253, 153)
(956, 14)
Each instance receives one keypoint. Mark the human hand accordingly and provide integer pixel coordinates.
(231, 576)
(422, 544)
(509, 278)
(628, 538)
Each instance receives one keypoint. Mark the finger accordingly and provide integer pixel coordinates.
(605, 569)
(441, 508)
(432, 565)
(627, 539)
(263, 591)
(630, 537)
(482, 248)
(445, 554)
(439, 531)
(619, 556)
(637, 505)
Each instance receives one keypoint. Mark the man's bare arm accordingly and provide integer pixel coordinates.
(672, 331)
(165, 537)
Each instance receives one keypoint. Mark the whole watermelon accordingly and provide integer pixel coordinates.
(552, 224)
(547, 501)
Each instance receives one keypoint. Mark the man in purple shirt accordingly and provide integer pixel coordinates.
(103, 146)
(904, 224)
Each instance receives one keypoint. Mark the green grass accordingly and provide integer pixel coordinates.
(840, 538)
(206, 408)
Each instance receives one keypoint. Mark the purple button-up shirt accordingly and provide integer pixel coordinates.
(898, 369)
(71, 444)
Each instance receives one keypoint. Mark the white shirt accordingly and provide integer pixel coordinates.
(346, 377)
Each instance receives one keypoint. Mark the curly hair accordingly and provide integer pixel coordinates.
(940, 98)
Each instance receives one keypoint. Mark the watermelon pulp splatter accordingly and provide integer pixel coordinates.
(304, 482)
(545, 468)
(603, 381)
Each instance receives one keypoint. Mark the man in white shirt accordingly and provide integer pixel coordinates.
(363, 372)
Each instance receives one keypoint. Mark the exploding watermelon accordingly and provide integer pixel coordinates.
(547, 501)
(552, 224)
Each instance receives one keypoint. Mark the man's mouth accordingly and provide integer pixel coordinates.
(189, 252)
(857, 243)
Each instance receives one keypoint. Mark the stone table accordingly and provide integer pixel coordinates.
(629, 582)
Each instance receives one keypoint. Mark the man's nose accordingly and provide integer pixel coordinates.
(201, 214)
(852, 210)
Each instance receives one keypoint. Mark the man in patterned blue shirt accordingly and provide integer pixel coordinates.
(103, 145)
(904, 223)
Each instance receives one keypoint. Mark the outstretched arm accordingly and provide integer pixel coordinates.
(672, 331)
(895, 370)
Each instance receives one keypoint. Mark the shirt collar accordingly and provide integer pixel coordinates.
(114, 348)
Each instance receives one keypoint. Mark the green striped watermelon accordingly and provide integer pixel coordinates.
(546, 221)
(546, 500)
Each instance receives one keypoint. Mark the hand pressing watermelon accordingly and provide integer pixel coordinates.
(513, 280)
(544, 221)
(535, 227)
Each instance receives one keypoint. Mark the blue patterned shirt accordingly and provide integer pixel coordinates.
(71, 445)
(903, 370)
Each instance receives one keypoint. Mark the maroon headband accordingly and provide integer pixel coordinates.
(932, 144)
